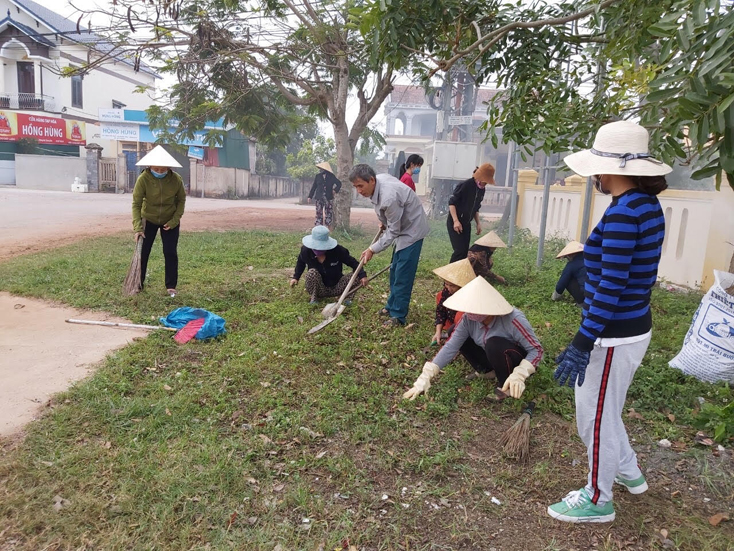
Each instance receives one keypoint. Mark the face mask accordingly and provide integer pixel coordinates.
(476, 317)
(597, 184)
(318, 253)
(417, 171)
(158, 174)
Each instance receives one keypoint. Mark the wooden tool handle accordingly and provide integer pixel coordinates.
(354, 275)
(373, 276)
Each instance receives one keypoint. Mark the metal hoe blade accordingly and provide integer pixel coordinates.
(326, 322)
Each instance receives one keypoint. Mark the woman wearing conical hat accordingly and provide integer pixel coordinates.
(455, 276)
(325, 185)
(573, 277)
(480, 256)
(492, 336)
(159, 199)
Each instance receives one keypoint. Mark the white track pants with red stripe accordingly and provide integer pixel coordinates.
(599, 408)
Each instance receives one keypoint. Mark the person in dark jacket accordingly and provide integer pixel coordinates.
(464, 205)
(573, 277)
(325, 185)
(325, 260)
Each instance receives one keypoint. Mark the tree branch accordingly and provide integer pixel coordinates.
(497, 34)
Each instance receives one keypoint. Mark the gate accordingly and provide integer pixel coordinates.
(107, 174)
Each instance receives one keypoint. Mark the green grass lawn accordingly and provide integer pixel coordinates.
(267, 437)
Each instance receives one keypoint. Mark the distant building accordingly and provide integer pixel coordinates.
(412, 127)
(60, 113)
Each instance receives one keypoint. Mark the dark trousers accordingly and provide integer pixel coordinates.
(402, 276)
(170, 254)
(499, 355)
(576, 291)
(459, 241)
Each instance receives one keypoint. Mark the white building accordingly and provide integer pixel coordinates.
(413, 125)
(36, 46)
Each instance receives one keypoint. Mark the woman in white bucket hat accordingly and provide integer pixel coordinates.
(621, 257)
(159, 199)
(325, 260)
(492, 336)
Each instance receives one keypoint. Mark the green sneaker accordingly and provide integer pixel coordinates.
(636, 486)
(577, 507)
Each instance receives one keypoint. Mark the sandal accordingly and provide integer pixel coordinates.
(384, 312)
(393, 322)
(171, 293)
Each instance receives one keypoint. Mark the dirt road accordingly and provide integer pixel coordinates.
(33, 221)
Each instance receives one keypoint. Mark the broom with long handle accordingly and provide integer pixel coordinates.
(133, 284)
(516, 440)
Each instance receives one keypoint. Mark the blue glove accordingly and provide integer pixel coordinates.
(572, 364)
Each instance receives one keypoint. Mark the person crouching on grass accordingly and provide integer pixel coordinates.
(492, 336)
(573, 277)
(480, 256)
(455, 276)
(325, 260)
(621, 258)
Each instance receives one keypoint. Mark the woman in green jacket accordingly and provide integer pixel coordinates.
(158, 204)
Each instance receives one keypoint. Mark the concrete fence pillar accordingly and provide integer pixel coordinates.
(121, 173)
(524, 178)
(94, 154)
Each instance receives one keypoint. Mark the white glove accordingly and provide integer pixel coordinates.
(515, 383)
(555, 296)
(422, 383)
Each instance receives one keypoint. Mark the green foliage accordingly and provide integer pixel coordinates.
(370, 145)
(272, 160)
(669, 63)
(692, 95)
(717, 420)
(301, 165)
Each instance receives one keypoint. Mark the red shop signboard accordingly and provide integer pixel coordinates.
(44, 129)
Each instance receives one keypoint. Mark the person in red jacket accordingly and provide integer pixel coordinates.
(411, 169)
(455, 276)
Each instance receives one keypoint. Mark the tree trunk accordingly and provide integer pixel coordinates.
(344, 162)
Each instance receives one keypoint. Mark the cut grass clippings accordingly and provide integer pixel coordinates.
(266, 437)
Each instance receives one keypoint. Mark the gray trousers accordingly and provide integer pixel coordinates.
(599, 409)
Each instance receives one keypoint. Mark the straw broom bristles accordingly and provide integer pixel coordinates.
(516, 440)
(132, 284)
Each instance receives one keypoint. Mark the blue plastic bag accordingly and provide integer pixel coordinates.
(213, 324)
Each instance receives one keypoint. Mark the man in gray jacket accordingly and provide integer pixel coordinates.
(405, 223)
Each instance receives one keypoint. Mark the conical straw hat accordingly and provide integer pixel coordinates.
(573, 247)
(325, 166)
(479, 297)
(459, 273)
(491, 240)
(158, 157)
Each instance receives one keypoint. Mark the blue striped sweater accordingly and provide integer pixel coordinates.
(621, 258)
